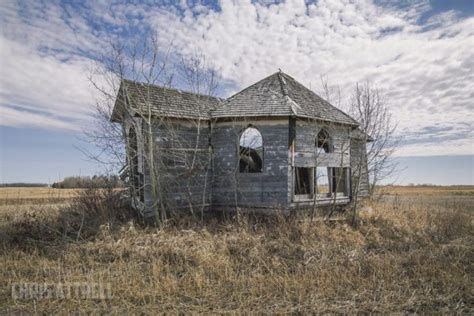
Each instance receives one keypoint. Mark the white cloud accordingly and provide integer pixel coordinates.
(425, 70)
(452, 147)
(44, 65)
(22, 118)
(52, 90)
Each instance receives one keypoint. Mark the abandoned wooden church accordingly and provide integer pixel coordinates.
(275, 145)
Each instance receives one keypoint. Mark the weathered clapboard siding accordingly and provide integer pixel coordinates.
(305, 154)
(182, 158)
(359, 160)
(306, 132)
(322, 160)
(232, 188)
(223, 184)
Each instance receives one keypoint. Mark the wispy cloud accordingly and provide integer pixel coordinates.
(425, 70)
(45, 86)
(44, 72)
(424, 66)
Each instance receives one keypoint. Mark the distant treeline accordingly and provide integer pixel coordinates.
(428, 185)
(22, 185)
(89, 182)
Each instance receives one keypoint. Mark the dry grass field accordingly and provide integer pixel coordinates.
(428, 190)
(411, 252)
(40, 195)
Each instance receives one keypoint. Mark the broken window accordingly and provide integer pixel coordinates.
(323, 142)
(304, 181)
(340, 180)
(331, 181)
(322, 181)
(251, 151)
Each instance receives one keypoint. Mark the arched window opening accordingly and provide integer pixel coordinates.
(323, 173)
(251, 151)
(323, 142)
(136, 178)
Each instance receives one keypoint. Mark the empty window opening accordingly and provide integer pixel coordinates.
(304, 181)
(323, 142)
(322, 181)
(251, 151)
(340, 180)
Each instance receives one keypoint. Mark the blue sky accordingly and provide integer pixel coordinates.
(418, 53)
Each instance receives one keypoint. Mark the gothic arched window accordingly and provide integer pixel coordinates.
(323, 142)
(251, 151)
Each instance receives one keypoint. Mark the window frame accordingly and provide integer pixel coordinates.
(346, 181)
(261, 156)
(328, 140)
(329, 178)
(312, 188)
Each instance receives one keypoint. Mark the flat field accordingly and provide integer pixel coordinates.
(35, 195)
(457, 190)
(410, 252)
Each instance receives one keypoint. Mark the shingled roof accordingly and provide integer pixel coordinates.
(280, 95)
(277, 95)
(165, 102)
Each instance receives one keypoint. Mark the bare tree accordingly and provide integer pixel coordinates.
(337, 175)
(377, 129)
(376, 135)
(145, 64)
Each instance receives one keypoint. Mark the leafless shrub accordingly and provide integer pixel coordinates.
(79, 220)
(93, 208)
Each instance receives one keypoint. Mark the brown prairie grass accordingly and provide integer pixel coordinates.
(405, 255)
(426, 190)
(24, 195)
(38, 195)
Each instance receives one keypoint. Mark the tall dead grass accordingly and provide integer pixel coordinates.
(401, 257)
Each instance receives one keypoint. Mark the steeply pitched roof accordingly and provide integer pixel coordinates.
(280, 95)
(164, 101)
(276, 95)
(264, 98)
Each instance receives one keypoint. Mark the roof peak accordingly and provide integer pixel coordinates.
(282, 83)
(279, 94)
